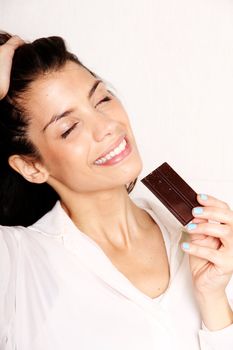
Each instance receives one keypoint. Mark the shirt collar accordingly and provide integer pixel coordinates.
(52, 223)
(56, 221)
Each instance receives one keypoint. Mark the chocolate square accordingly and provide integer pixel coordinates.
(172, 191)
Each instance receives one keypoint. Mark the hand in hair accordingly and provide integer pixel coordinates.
(6, 54)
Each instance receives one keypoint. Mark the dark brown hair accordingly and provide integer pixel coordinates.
(22, 202)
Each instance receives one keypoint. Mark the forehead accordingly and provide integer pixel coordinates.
(55, 91)
(69, 75)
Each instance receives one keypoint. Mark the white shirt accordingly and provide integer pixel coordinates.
(59, 290)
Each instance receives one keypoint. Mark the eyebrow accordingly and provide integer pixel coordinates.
(66, 113)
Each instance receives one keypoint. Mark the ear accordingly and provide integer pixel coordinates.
(30, 169)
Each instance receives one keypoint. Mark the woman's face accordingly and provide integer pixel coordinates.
(74, 122)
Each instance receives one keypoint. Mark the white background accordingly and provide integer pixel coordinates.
(171, 63)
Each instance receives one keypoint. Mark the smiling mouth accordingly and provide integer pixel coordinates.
(115, 155)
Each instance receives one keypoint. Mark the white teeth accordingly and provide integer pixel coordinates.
(113, 153)
(117, 150)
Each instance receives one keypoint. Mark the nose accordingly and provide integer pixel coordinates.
(103, 126)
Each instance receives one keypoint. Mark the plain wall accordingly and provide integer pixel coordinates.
(171, 63)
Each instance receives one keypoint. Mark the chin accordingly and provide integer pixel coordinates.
(134, 170)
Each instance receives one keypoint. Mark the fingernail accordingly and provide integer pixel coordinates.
(185, 245)
(198, 210)
(191, 226)
(203, 196)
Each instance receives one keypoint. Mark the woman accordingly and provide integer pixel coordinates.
(82, 265)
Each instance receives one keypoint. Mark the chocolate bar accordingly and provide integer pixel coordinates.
(172, 191)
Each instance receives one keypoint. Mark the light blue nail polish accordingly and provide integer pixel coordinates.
(191, 226)
(185, 245)
(198, 210)
(203, 196)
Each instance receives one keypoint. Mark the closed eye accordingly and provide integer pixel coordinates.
(67, 132)
(105, 99)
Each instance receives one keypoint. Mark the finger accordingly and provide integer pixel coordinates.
(221, 231)
(14, 41)
(205, 241)
(6, 55)
(198, 220)
(217, 214)
(206, 253)
(199, 238)
(207, 200)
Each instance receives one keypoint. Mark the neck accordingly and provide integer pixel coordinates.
(109, 217)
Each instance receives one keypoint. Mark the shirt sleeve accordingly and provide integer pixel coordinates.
(217, 340)
(8, 269)
(222, 339)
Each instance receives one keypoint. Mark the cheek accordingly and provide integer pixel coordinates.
(120, 112)
(69, 167)
(121, 115)
(63, 157)
(68, 156)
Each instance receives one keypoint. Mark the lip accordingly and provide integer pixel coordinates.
(111, 148)
(119, 157)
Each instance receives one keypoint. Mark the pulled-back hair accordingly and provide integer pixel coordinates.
(23, 202)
